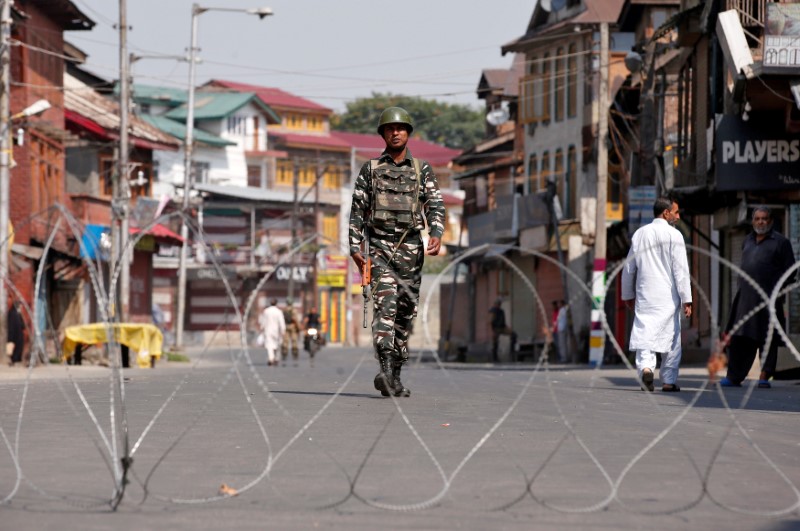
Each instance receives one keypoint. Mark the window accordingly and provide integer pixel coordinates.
(572, 81)
(293, 121)
(330, 229)
(533, 173)
(590, 67)
(107, 172)
(254, 176)
(560, 86)
(544, 174)
(559, 177)
(284, 173)
(47, 184)
(255, 133)
(570, 183)
(527, 91)
(332, 180)
(236, 125)
(306, 176)
(547, 87)
(200, 172)
(315, 123)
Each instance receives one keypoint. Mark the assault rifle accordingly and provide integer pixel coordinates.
(365, 278)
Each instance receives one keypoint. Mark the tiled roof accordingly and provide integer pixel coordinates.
(96, 111)
(300, 140)
(273, 97)
(373, 145)
(178, 130)
(217, 105)
(596, 11)
(154, 94)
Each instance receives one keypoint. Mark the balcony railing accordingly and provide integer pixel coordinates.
(752, 15)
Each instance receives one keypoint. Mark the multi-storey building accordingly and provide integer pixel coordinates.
(37, 174)
(536, 185)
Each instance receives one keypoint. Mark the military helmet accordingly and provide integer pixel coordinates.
(395, 115)
(289, 300)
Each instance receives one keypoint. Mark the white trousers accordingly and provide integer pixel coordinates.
(670, 361)
(272, 355)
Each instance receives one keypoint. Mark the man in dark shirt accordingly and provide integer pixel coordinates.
(498, 323)
(766, 256)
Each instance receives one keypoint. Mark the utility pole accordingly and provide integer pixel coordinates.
(319, 177)
(296, 188)
(121, 187)
(187, 184)
(5, 157)
(597, 339)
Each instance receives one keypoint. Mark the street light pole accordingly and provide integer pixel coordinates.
(597, 339)
(187, 160)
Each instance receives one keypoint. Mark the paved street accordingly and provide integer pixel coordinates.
(474, 447)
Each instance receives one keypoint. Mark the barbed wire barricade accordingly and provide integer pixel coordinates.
(138, 438)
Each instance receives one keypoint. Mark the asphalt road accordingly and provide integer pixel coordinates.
(474, 447)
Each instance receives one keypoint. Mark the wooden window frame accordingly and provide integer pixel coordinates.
(533, 172)
(559, 86)
(572, 81)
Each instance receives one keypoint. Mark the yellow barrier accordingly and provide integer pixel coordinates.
(145, 339)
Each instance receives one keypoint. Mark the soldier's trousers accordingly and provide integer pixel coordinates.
(395, 287)
(290, 338)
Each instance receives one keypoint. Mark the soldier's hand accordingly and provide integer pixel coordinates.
(687, 310)
(434, 246)
(359, 259)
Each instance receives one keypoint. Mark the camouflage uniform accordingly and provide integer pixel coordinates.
(397, 253)
(292, 334)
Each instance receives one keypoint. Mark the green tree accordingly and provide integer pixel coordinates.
(451, 125)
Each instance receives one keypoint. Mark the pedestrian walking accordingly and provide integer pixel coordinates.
(291, 338)
(562, 329)
(766, 256)
(394, 196)
(273, 328)
(656, 282)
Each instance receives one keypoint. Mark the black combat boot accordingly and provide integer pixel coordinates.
(384, 380)
(399, 388)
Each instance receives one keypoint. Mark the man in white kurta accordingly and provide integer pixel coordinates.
(656, 276)
(273, 326)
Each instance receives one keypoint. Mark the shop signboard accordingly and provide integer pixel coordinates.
(782, 37)
(755, 155)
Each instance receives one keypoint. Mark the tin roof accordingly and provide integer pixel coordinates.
(178, 130)
(373, 145)
(298, 140)
(91, 110)
(596, 11)
(271, 96)
(217, 105)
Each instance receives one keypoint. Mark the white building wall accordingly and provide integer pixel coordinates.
(226, 165)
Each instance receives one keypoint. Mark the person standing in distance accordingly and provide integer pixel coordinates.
(656, 277)
(394, 196)
(766, 256)
(273, 326)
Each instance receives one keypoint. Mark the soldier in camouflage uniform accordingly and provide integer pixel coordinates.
(394, 195)
(291, 337)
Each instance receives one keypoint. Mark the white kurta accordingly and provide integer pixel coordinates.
(656, 274)
(273, 326)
